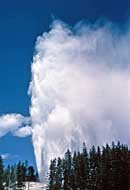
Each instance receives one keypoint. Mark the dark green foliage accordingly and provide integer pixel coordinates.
(7, 176)
(30, 173)
(59, 174)
(102, 169)
(1, 174)
(20, 175)
(14, 177)
(52, 175)
(67, 170)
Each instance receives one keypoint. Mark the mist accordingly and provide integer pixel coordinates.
(80, 90)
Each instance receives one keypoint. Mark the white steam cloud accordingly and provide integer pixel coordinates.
(80, 90)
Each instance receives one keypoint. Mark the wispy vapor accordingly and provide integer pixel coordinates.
(8, 156)
(5, 156)
(80, 90)
(23, 131)
(12, 122)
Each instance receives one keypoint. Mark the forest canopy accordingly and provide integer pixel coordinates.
(100, 168)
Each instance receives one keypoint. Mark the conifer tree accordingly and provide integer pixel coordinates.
(85, 168)
(52, 175)
(92, 162)
(1, 174)
(67, 170)
(7, 176)
(76, 171)
(59, 174)
(98, 169)
(20, 175)
(13, 177)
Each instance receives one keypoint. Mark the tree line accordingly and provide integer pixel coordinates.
(100, 168)
(14, 176)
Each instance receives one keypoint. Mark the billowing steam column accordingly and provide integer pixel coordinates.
(78, 93)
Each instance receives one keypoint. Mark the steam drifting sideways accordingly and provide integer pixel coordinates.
(80, 90)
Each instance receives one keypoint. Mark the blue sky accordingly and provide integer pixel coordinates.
(20, 23)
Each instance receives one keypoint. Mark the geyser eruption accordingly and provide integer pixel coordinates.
(80, 90)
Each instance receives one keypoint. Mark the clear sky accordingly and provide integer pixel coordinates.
(20, 23)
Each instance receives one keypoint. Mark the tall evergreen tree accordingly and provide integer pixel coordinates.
(59, 174)
(92, 163)
(76, 172)
(85, 168)
(13, 177)
(7, 176)
(1, 174)
(67, 170)
(98, 169)
(52, 175)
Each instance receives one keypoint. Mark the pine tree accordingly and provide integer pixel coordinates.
(7, 174)
(13, 177)
(107, 178)
(98, 169)
(1, 174)
(67, 170)
(59, 174)
(52, 175)
(20, 175)
(85, 170)
(31, 173)
(92, 162)
(76, 171)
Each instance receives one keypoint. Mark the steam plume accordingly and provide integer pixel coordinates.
(80, 90)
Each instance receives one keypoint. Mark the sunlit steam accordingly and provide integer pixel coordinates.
(80, 90)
